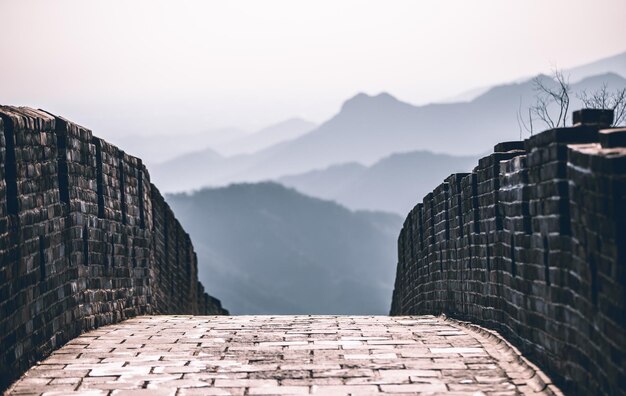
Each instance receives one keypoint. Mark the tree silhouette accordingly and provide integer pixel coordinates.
(605, 99)
(553, 93)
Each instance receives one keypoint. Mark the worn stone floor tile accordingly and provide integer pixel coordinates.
(279, 390)
(145, 392)
(332, 390)
(417, 388)
(284, 355)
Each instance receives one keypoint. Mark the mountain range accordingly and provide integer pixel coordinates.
(369, 128)
(223, 142)
(266, 137)
(156, 149)
(392, 184)
(612, 64)
(266, 249)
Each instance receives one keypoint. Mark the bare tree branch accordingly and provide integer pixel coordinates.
(554, 94)
(547, 95)
(603, 99)
(619, 107)
(520, 120)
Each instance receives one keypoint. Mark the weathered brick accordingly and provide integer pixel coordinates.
(536, 250)
(79, 247)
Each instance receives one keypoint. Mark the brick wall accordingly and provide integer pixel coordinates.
(85, 240)
(532, 243)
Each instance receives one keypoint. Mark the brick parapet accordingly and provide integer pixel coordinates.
(80, 246)
(536, 249)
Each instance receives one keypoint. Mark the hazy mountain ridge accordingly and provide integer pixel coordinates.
(325, 183)
(266, 137)
(156, 149)
(264, 241)
(369, 128)
(273, 250)
(612, 64)
(392, 184)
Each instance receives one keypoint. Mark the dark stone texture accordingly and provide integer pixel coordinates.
(85, 240)
(531, 243)
(601, 118)
(610, 138)
(504, 147)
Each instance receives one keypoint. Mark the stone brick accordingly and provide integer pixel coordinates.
(79, 245)
(536, 249)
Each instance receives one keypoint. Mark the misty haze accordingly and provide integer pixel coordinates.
(367, 166)
(333, 197)
(292, 143)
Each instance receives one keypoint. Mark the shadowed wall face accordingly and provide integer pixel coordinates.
(85, 240)
(532, 243)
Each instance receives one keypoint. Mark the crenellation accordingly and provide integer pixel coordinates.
(79, 243)
(537, 251)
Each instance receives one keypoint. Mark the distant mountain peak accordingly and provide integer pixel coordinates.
(385, 96)
(542, 76)
(614, 64)
(607, 77)
(362, 99)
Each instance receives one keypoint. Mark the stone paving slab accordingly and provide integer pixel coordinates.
(285, 355)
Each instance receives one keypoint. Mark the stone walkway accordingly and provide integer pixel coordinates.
(263, 355)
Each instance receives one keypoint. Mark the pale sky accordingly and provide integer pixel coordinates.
(183, 66)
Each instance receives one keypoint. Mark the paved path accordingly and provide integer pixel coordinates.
(260, 355)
